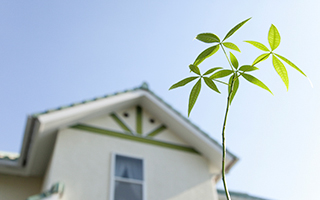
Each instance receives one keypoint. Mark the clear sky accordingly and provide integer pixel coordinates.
(53, 53)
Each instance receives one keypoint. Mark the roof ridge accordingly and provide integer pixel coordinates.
(143, 86)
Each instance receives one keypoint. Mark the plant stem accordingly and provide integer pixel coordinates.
(225, 53)
(224, 146)
(221, 82)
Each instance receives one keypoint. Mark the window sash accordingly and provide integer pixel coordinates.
(128, 180)
(128, 167)
(128, 191)
(114, 178)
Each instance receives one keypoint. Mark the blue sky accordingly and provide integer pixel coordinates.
(54, 53)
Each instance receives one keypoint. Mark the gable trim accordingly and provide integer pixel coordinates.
(120, 123)
(139, 120)
(156, 131)
(135, 138)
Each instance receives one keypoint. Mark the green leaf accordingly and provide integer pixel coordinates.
(235, 87)
(234, 29)
(206, 54)
(195, 69)
(258, 45)
(256, 81)
(212, 70)
(261, 58)
(291, 64)
(194, 95)
(208, 37)
(221, 73)
(248, 68)
(183, 82)
(234, 61)
(211, 84)
(281, 70)
(231, 46)
(273, 37)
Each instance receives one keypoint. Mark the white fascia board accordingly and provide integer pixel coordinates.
(68, 116)
(12, 169)
(175, 122)
(17, 167)
(9, 163)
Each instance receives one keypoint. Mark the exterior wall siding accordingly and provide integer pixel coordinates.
(18, 187)
(82, 161)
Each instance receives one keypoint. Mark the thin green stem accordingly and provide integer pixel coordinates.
(224, 145)
(225, 53)
(221, 82)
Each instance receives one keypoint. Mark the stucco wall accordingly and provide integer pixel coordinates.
(18, 188)
(82, 160)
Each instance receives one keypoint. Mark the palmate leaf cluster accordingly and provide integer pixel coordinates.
(274, 41)
(215, 75)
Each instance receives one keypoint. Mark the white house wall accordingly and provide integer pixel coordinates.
(131, 119)
(18, 187)
(169, 136)
(82, 161)
(104, 122)
(146, 125)
(205, 190)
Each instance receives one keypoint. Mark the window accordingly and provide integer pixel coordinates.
(127, 178)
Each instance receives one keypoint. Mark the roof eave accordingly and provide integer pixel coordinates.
(18, 167)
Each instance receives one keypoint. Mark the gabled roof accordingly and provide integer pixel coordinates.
(41, 129)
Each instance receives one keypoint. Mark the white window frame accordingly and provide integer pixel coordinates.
(113, 178)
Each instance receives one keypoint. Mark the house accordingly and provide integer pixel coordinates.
(126, 146)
